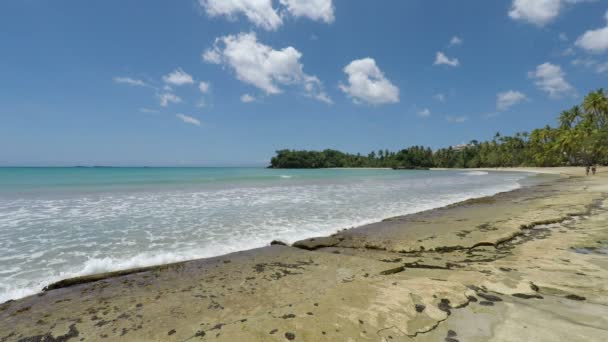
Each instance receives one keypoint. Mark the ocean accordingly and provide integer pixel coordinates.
(64, 222)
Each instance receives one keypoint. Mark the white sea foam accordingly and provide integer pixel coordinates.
(475, 173)
(92, 233)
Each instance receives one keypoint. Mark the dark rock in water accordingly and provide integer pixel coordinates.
(273, 331)
(445, 306)
(490, 297)
(472, 299)
(171, 332)
(575, 297)
(200, 333)
(288, 316)
(450, 337)
(485, 303)
(278, 243)
(527, 296)
(290, 336)
(420, 307)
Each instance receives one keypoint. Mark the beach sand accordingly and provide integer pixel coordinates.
(526, 265)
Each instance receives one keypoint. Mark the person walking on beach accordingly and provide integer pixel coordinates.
(593, 169)
(587, 170)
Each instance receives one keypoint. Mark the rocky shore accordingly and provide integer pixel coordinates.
(526, 265)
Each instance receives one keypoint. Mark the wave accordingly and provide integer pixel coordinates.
(139, 230)
(475, 173)
(286, 176)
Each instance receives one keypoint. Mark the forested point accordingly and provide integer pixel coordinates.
(581, 138)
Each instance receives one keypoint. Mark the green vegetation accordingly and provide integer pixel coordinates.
(580, 139)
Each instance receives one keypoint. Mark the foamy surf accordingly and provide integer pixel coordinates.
(49, 236)
(475, 173)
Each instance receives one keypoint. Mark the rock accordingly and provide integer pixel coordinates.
(490, 297)
(575, 297)
(316, 243)
(278, 243)
(290, 336)
(420, 307)
(527, 296)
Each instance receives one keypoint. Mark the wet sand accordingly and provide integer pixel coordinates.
(526, 265)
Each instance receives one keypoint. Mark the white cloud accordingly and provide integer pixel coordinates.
(178, 77)
(263, 14)
(203, 87)
(262, 66)
(130, 81)
(166, 98)
(246, 98)
(322, 10)
(507, 99)
(367, 83)
(563, 37)
(424, 112)
(259, 12)
(440, 97)
(456, 119)
(455, 41)
(585, 62)
(538, 12)
(595, 41)
(598, 66)
(188, 119)
(442, 59)
(212, 56)
(551, 79)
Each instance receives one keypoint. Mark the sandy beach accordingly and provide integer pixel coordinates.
(525, 265)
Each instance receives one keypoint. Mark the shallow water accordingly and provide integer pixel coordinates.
(62, 222)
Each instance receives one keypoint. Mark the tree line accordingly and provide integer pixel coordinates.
(580, 138)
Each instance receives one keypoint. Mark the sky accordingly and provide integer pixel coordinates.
(228, 82)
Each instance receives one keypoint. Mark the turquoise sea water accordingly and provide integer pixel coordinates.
(63, 222)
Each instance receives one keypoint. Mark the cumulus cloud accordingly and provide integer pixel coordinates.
(130, 81)
(188, 119)
(246, 98)
(538, 12)
(178, 77)
(259, 12)
(551, 79)
(442, 59)
(203, 87)
(167, 98)
(424, 112)
(262, 66)
(263, 14)
(455, 41)
(321, 10)
(507, 99)
(595, 41)
(367, 83)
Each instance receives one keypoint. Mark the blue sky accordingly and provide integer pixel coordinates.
(118, 82)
